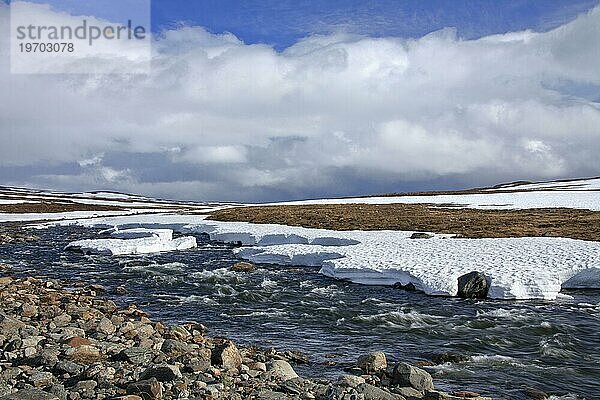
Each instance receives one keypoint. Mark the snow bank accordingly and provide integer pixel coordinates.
(518, 268)
(137, 233)
(134, 241)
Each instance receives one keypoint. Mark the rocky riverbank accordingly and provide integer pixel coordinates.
(73, 344)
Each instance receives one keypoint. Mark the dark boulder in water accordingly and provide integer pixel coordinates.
(452, 358)
(243, 266)
(473, 285)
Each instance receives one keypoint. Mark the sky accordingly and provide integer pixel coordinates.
(279, 100)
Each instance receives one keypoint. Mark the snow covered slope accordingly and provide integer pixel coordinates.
(580, 194)
(51, 205)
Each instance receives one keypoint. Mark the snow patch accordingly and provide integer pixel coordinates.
(134, 241)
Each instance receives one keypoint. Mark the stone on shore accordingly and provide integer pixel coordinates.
(30, 394)
(406, 375)
(282, 369)
(371, 392)
(226, 355)
(373, 362)
(163, 373)
(149, 389)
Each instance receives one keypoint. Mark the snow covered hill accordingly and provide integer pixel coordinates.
(579, 194)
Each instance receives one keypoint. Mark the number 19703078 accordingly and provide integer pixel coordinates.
(41, 47)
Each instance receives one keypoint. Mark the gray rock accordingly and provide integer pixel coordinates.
(59, 391)
(106, 326)
(42, 379)
(294, 386)
(199, 363)
(371, 392)
(163, 373)
(271, 395)
(30, 394)
(371, 363)
(149, 389)
(175, 347)
(227, 355)
(473, 285)
(68, 367)
(351, 380)
(408, 392)
(5, 388)
(86, 386)
(62, 320)
(406, 375)
(421, 235)
(282, 369)
(137, 355)
(437, 395)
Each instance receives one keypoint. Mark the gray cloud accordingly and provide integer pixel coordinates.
(331, 115)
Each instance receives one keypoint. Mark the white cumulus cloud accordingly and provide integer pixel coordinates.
(334, 114)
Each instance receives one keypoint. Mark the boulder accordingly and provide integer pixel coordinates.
(86, 354)
(68, 367)
(106, 326)
(282, 369)
(8, 325)
(149, 389)
(136, 355)
(199, 363)
(226, 355)
(535, 394)
(406, 375)
(266, 394)
(120, 290)
(30, 394)
(29, 310)
(42, 379)
(371, 392)
(351, 380)
(162, 373)
(452, 358)
(473, 285)
(173, 347)
(408, 392)
(373, 362)
(437, 395)
(243, 266)
(421, 235)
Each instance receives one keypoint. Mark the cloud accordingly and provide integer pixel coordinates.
(332, 114)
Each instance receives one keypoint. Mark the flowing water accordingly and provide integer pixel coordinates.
(552, 346)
